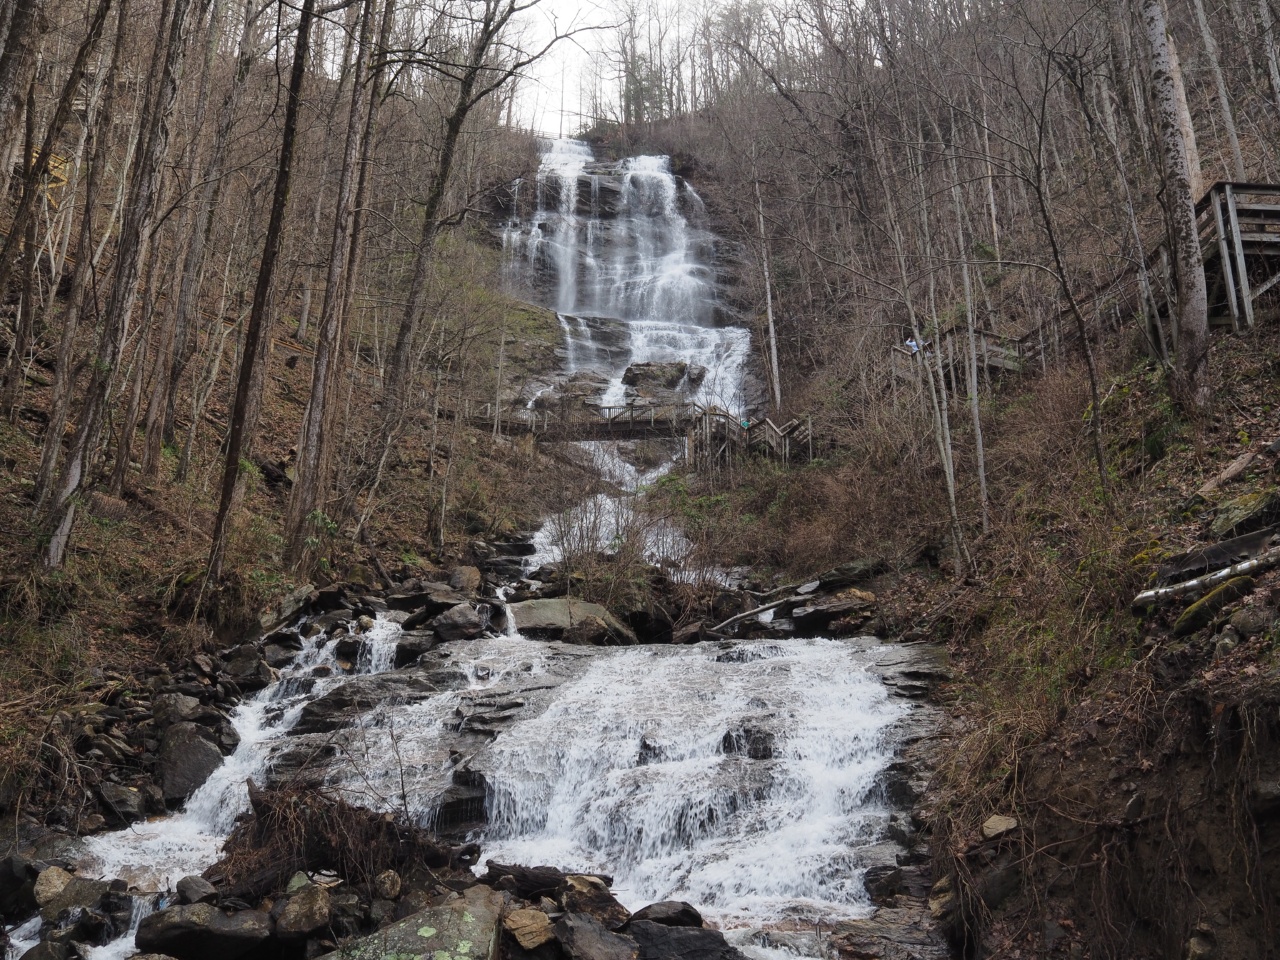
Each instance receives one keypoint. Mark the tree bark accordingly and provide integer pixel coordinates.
(153, 139)
(1191, 380)
(241, 427)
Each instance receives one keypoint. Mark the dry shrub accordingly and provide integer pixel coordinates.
(295, 828)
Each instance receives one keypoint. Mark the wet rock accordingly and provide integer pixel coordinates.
(291, 605)
(584, 938)
(17, 889)
(465, 580)
(412, 644)
(307, 912)
(661, 942)
(186, 760)
(551, 619)
(340, 707)
(48, 950)
(122, 804)
(78, 892)
(998, 825)
(588, 632)
(247, 669)
(584, 894)
(170, 708)
(655, 374)
(819, 616)
(430, 600)
(464, 927)
(755, 744)
(197, 890)
(530, 928)
(883, 882)
(669, 913)
(387, 884)
(461, 622)
(201, 931)
(49, 884)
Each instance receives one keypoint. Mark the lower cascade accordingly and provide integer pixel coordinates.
(742, 781)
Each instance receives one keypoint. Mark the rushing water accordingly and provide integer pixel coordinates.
(740, 777)
(631, 272)
(157, 854)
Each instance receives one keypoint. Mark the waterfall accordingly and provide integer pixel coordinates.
(621, 253)
(156, 854)
(741, 781)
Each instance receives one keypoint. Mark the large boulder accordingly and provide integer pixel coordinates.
(80, 893)
(655, 375)
(307, 912)
(122, 805)
(200, 931)
(170, 708)
(187, 758)
(461, 622)
(658, 941)
(583, 937)
(430, 600)
(557, 619)
(195, 889)
(669, 913)
(582, 893)
(463, 928)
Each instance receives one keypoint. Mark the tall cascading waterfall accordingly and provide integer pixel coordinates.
(620, 251)
(740, 776)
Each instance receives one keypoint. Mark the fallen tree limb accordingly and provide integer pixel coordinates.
(1162, 595)
(750, 613)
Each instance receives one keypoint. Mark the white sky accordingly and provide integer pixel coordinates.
(550, 99)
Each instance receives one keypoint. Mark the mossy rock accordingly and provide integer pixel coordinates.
(1201, 613)
(1246, 513)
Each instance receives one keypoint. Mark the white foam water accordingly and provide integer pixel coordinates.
(156, 854)
(22, 937)
(643, 768)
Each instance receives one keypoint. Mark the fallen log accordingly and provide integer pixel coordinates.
(750, 613)
(1162, 595)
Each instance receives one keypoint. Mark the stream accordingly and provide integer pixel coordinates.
(740, 776)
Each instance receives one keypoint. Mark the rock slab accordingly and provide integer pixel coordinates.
(200, 931)
(462, 929)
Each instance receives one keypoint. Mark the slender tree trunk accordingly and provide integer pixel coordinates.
(313, 474)
(134, 233)
(1266, 22)
(241, 428)
(775, 376)
(975, 409)
(1220, 85)
(17, 60)
(87, 256)
(1191, 383)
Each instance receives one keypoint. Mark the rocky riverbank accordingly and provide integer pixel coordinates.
(140, 747)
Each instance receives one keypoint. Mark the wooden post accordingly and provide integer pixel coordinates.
(1228, 275)
(1242, 268)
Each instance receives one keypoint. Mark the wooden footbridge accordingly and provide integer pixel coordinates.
(708, 433)
(1239, 230)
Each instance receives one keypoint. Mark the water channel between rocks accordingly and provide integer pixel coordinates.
(741, 776)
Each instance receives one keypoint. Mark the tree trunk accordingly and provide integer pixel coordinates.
(315, 442)
(1191, 383)
(1220, 85)
(241, 426)
(85, 270)
(153, 139)
(768, 302)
